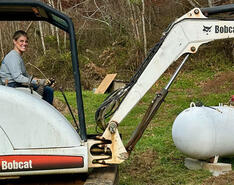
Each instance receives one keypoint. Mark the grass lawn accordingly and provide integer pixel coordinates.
(155, 159)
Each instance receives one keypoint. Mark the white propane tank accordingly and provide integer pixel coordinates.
(204, 132)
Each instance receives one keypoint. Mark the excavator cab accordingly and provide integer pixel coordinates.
(34, 10)
(38, 139)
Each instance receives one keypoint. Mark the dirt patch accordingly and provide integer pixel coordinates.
(222, 82)
(92, 75)
(62, 107)
(220, 180)
(142, 163)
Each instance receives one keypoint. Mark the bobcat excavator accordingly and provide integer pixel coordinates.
(37, 139)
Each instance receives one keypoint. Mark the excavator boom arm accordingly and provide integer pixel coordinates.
(185, 35)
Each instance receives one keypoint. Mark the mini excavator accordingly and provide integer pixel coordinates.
(37, 139)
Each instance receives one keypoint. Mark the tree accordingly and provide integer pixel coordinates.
(42, 37)
(143, 27)
(210, 3)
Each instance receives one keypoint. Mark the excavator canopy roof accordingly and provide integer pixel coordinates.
(32, 10)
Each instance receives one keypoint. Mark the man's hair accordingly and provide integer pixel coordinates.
(18, 34)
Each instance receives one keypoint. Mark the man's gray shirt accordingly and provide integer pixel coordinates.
(13, 68)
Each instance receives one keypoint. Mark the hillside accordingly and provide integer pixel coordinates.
(112, 37)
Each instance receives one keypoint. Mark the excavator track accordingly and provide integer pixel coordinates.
(48, 180)
(107, 176)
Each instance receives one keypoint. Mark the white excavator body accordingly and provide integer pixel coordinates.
(36, 138)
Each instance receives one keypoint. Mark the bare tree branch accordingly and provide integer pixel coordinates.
(192, 3)
(210, 3)
(90, 18)
(2, 51)
(30, 24)
(143, 27)
(79, 4)
(197, 3)
(56, 28)
(81, 31)
(99, 8)
(42, 37)
(132, 19)
(135, 21)
(51, 26)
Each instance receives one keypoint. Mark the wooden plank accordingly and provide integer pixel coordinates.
(105, 83)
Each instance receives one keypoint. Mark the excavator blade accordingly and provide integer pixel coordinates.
(108, 175)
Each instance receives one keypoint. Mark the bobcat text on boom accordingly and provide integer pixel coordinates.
(224, 29)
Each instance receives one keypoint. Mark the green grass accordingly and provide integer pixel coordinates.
(155, 159)
(91, 103)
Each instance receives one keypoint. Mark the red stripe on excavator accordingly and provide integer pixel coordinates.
(39, 162)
